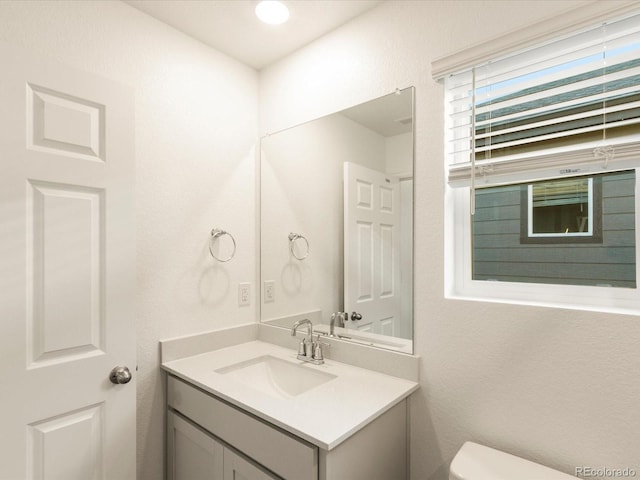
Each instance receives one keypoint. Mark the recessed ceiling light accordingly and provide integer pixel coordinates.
(272, 12)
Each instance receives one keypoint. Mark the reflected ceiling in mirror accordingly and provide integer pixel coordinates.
(337, 223)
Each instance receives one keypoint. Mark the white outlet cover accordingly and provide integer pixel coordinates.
(244, 294)
(269, 291)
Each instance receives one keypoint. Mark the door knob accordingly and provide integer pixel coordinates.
(356, 316)
(120, 375)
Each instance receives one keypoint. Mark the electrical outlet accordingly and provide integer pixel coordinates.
(244, 294)
(269, 291)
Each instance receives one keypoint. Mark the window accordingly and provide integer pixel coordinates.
(504, 250)
(542, 151)
(560, 208)
(562, 211)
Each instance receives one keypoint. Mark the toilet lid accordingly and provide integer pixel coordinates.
(477, 462)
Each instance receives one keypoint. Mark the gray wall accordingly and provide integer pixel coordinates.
(499, 254)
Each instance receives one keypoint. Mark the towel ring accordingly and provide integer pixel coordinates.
(215, 234)
(293, 238)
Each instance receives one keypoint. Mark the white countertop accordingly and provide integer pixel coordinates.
(326, 415)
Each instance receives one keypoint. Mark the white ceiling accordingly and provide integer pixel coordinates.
(231, 26)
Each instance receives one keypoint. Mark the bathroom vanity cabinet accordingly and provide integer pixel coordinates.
(209, 438)
(195, 454)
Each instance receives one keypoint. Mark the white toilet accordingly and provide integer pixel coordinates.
(477, 462)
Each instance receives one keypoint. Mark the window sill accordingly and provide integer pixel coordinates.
(622, 301)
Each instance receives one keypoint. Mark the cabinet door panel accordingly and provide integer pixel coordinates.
(237, 468)
(192, 454)
(254, 438)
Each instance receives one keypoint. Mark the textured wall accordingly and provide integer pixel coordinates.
(556, 386)
(196, 123)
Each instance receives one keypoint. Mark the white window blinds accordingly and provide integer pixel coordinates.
(570, 106)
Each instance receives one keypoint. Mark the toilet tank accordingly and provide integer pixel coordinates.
(477, 462)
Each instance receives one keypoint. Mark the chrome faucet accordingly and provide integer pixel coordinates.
(308, 350)
(340, 317)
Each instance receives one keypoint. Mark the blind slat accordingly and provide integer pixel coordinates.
(600, 97)
(590, 114)
(581, 59)
(555, 163)
(608, 84)
(558, 97)
(552, 136)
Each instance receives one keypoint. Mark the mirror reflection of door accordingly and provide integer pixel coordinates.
(372, 218)
(302, 190)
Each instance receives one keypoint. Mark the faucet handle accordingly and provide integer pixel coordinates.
(317, 349)
(302, 348)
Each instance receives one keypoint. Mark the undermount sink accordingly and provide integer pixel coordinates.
(276, 377)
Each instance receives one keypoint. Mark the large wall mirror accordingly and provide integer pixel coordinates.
(337, 223)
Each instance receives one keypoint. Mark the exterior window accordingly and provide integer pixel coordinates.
(543, 153)
(562, 211)
(556, 256)
(560, 208)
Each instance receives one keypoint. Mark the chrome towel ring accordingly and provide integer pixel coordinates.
(215, 234)
(293, 238)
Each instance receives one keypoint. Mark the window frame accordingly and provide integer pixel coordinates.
(587, 158)
(459, 263)
(594, 235)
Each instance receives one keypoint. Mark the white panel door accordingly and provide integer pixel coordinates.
(66, 273)
(371, 249)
